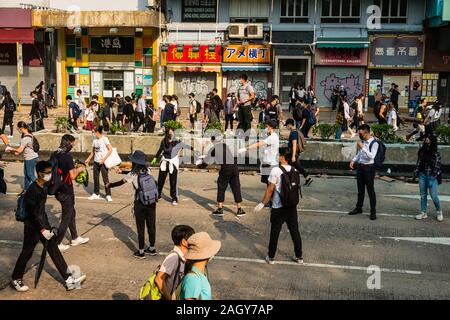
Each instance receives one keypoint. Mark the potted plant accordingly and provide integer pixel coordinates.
(61, 124)
(325, 130)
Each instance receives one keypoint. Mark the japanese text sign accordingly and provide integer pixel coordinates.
(397, 52)
(188, 55)
(246, 54)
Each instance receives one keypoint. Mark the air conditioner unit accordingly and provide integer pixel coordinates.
(236, 31)
(255, 31)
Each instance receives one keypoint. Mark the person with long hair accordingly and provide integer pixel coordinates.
(429, 171)
(144, 212)
(10, 108)
(30, 156)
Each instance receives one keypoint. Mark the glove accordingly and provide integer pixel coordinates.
(259, 207)
(47, 234)
(242, 150)
(154, 161)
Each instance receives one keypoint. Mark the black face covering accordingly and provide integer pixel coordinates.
(361, 137)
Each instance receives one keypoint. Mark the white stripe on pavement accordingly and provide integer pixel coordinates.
(314, 265)
(416, 197)
(433, 240)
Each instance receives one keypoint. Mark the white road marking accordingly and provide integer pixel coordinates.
(18, 243)
(444, 241)
(314, 265)
(416, 197)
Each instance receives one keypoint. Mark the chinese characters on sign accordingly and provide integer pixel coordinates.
(246, 54)
(188, 55)
(396, 52)
(199, 10)
(111, 45)
(341, 56)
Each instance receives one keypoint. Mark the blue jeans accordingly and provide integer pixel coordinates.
(338, 133)
(29, 172)
(428, 183)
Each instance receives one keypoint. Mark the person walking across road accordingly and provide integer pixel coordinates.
(365, 170)
(8, 117)
(140, 112)
(246, 95)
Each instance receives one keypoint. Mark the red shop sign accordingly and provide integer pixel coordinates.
(188, 55)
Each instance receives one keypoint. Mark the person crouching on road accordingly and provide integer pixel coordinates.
(37, 228)
(101, 150)
(195, 284)
(281, 211)
(145, 199)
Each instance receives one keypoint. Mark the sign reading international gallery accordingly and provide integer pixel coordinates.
(111, 45)
(199, 10)
(189, 55)
(399, 52)
(341, 57)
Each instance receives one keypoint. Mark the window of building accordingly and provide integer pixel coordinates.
(294, 11)
(70, 46)
(341, 11)
(78, 50)
(393, 11)
(249, 11)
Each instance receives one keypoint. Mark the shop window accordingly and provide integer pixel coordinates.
(250, 11)
(294, 11)
(393, 11)
(72, 80)
(78, 51)
(341, 11)
(147, 61)
(70, 46)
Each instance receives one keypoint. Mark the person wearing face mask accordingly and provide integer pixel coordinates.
(37, 228)
(365, 170)
(429, 171)
(315, 108)
(65, 194)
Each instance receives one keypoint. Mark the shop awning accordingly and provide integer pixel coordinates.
(192, 68)
(17, 35)
(244, 67)
(342, 43)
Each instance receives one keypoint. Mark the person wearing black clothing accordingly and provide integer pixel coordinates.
(37, 228)
(307, 118)
(51, 96)
(10, 108)
(272, 111)
(39, 88)
(334, 98)
(169, 110)
(395, 93)
(35, 113)
(149, 123)
(221, 154)
(128, 114)
(65, 194)
(295, 147)
(218, 104)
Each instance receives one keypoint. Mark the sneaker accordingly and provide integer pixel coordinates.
(150, 251)
(109, 198)
(240, 212)
(218, 212)
(440, 216)
(94, 197)
(79, 241)
(354, 212)
(75, 283)
(297, 259)
(10, 137)
(139, 255)
(63, 247)
(19, 285)
(373, 216)
(174, 203)
(270, 260)
(422, 215)
(308, 181)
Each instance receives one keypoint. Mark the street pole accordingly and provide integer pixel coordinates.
(19, 71)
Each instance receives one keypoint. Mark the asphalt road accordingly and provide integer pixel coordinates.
(338, 248)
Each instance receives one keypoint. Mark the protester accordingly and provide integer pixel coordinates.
(37, 228)
(297, 112)
(394, 94)
(171, 271)
(272, 111)
(210, 115)
(51, 96)
(176, 106)
(381, 113)
(365, 170)
(35, 113)
(392, 116)
(161, 106)
(221, 154)
(293, 94)
(195, 284)
(149, 122)
(296, 144)
(29, 155)
(335, 98)
(193, 106)
(82, 104)
(101, 150)
(315, 108)
(218, 103)
(308, 120)
(246, 95)
(145, 199)
(140, 112)
(429, 171)
(169, 112)
(39, 89)
(433, 117)
(8, 117)
(309, 95)
(283, 211)
(128, 114)
(65, 193)
(74, 112)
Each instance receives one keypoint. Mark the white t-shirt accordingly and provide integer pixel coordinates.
(275, 178)
(100, 147)
(392, 119)
(90, 114)
(270, 150)
(81, 103)
(170, 267)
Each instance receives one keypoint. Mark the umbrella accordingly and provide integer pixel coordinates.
(42, 261)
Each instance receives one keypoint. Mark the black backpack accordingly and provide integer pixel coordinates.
(297, 113)
(36, 146)
(57, 180)
(11, 106)
(273, 113)
(198, 109)
(21, 212)
(381, 153)
(290, 188)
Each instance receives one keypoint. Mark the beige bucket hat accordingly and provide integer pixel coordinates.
(202, 247)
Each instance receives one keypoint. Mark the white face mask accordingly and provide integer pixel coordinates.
(47, 177)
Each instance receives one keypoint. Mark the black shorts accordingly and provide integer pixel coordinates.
(192, 118)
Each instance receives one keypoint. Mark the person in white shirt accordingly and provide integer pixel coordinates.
(270, 147)
(89, 114)
(192, 110)
(392, 116)
(82, 104)
(161, 106)
(101, 150)
(347, 115)
(365, 170)
(140, 112)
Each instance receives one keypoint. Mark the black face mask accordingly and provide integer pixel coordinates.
(361, 137)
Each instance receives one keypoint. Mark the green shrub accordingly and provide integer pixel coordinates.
(214, 125)
(61, 124)
(325, 130)
(261, 126)
(443, 133)
(386, 133)
(115, 127)
(172, 124)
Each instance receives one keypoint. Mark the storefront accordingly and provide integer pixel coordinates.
(193, 68)
(110, 61)
(397, 59)
(252, 60)
(336, 66)
(15, 28)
